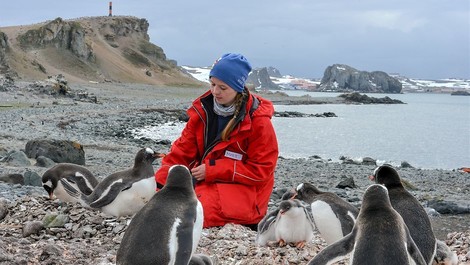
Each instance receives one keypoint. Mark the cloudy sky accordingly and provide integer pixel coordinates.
(420, 38)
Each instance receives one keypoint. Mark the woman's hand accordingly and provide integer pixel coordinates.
(199, 172)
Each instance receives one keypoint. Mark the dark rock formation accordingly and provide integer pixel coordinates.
(274, 72)
(339, 77)
(260, 79)
(61, 34)
(356, 97)
(60, 151)
(3, 48)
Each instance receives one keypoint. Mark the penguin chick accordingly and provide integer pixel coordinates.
(444, 256)
(290, 223)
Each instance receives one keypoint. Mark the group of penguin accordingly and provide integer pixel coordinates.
(391, 226)
(166, 225)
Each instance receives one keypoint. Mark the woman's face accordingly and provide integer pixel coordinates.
(223, 94)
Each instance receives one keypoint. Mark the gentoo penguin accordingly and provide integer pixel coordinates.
(125, 192)
(444, 256)
(410, 209)
(64, 180)
(167, 229)
(200, 259)
(291, 222)
(380, 236)
(333, 216)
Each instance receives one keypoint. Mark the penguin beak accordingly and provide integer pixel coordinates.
(159, 155)
(282, 212)
(51, 196)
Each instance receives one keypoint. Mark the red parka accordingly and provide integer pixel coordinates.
(239, 172)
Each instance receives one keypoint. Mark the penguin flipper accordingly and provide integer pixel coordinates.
(108, 195)
(82, 184)
(413, 250)
(266, 228)
(309, 215)
(67, 184)
(336, 251)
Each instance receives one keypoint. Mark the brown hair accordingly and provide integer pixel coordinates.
(239, 99)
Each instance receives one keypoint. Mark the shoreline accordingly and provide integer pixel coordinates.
(101, 128)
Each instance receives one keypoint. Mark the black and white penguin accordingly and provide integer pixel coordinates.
(168, 228)
(333, 216)
(291, 222)
(125, 192)
(410, 209)
(380, 236)
(444, 256)
(200, 259)
(63, 180)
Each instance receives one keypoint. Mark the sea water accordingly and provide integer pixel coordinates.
(429, 131)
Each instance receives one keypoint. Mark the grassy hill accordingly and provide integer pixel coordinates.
(96, 49)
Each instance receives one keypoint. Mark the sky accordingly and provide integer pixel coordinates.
(427, 39)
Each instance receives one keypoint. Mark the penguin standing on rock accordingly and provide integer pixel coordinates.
(168, 228)
(292, 222)
(333, 216)
(410, 209)
(125, 192)
(379, 237)
(64, 180)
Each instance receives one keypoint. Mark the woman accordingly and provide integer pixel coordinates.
(230, 146)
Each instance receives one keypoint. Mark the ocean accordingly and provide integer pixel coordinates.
(430, 131)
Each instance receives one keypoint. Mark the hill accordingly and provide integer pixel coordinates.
(96, 49)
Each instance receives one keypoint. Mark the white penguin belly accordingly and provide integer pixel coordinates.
(326, 221)
(130, 201)
(294, 227)
(197, 229)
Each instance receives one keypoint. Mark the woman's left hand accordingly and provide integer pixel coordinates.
(199, 172)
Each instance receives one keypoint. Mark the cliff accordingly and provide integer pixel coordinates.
(98, 49)
(343, 78)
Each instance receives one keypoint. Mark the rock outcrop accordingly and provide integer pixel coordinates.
(343, 78)
(261, 80)
(97, 49)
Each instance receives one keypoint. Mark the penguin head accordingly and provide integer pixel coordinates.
(147, 156)
(306, 192)
(49, 185)
(179, 176)
(375, 195)
(386, 175)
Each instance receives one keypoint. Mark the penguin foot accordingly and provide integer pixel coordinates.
(300, 244)
(282, 243)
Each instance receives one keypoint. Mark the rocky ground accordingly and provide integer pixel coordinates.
(99, 116)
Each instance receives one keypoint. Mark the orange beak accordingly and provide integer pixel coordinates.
(159, 155)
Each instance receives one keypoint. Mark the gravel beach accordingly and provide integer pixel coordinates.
(99, 117)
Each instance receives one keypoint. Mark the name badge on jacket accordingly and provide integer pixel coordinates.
(233, 155)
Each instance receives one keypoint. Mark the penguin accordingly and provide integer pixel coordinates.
(379, 236)
(333, 216)
(444, 256)
(200, 259)
(168, 228)
(291, 222)
(125, 192)
(65, 179)
(409, 208)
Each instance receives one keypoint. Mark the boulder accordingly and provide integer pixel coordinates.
(59, 151)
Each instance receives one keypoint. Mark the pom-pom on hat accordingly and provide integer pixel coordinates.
(232, 69)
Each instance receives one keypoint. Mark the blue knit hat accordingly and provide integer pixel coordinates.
(232, 69)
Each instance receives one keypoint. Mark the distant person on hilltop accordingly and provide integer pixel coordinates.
(230, 146)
